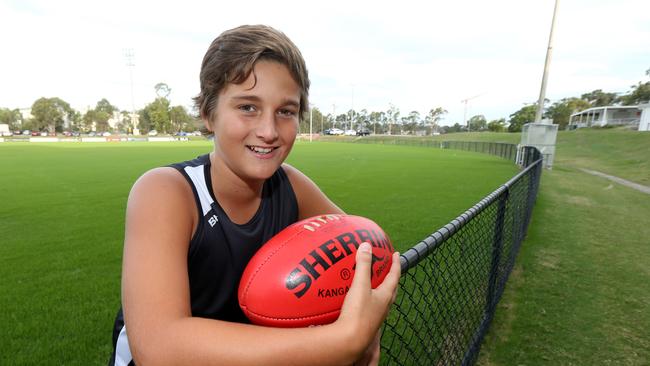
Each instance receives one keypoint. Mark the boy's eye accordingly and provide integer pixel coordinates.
(287, 112)
(247, 108)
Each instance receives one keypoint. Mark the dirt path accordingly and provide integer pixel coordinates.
(627, 183)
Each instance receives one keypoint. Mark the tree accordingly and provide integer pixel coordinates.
(562, 110)
(360, 119)
(11, 117)
(155, 116)
(451, 129)
(433, 117)
(88, 119)
(411, 122)
(393, 115)
(341, 119)
(519, 118)
(75, 120)
(598, 98)
(180, 119)
(477, 123)
(50, 114)
(124, 123)
(103, 112)
(640, 93)
(497, 125)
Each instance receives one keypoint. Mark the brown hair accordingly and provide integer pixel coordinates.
(232, 56)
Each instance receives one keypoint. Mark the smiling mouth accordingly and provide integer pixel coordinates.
(260, 150)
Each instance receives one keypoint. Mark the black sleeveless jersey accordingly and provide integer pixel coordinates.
(220, 249)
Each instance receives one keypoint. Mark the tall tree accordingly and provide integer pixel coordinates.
(433, 117)
(477, 123)
(103, 112)
(521, 117)
(155, 116)
(497, 125)
(378, 121)
(12, 117)
(562, 110)
(393, 116)
(88, 119)
(180, 119)
(411, 121)
(598, 98)
(640, 93)
(50, 114)
(361, 119)
(451, 129)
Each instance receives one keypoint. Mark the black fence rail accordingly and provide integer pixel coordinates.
(453, 279)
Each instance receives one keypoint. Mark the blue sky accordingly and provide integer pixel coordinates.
(416, 55)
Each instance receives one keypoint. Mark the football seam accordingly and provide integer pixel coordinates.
(290, 318)
(257, 269)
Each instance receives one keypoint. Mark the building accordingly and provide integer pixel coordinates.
(612, 115)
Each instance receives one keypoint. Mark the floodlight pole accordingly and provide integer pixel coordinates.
(129, 55)
(547, 64)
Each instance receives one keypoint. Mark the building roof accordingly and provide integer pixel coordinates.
(609, 107)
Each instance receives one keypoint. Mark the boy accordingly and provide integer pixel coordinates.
(192, 227)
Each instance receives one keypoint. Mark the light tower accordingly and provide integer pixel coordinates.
(547, 64)
(129, 56)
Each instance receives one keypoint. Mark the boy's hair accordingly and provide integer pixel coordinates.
(232, 56)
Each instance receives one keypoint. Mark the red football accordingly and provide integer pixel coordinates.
(300, 276)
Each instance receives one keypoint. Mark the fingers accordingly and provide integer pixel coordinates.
(362, 272)
(392, 278)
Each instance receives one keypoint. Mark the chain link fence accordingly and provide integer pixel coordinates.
(453, 279)
(504, 150)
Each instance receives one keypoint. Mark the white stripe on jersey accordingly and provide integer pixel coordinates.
(122, 350)
(196, 173)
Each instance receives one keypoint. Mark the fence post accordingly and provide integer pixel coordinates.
(491, 298)
(497, 247)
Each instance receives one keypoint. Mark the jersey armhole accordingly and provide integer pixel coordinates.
(198, 210)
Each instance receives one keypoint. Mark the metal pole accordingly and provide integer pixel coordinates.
(547, 64)
(129, 55)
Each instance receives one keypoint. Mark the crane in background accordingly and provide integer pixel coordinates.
(465, 112)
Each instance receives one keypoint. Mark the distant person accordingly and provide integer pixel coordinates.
(192, 227)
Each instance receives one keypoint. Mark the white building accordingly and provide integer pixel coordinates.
(612, 116)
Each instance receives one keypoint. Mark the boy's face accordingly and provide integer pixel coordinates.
(255, 123)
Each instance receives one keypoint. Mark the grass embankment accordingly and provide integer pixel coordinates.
(62, 221)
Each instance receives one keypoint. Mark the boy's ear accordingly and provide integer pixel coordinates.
(206, 123)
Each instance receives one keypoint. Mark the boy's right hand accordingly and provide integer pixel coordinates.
(365, 309)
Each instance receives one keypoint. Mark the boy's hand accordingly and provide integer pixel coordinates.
(365, 309)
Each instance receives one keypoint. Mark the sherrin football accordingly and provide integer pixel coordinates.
(301, 275)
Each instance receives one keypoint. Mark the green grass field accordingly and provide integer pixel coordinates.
(62, 217)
